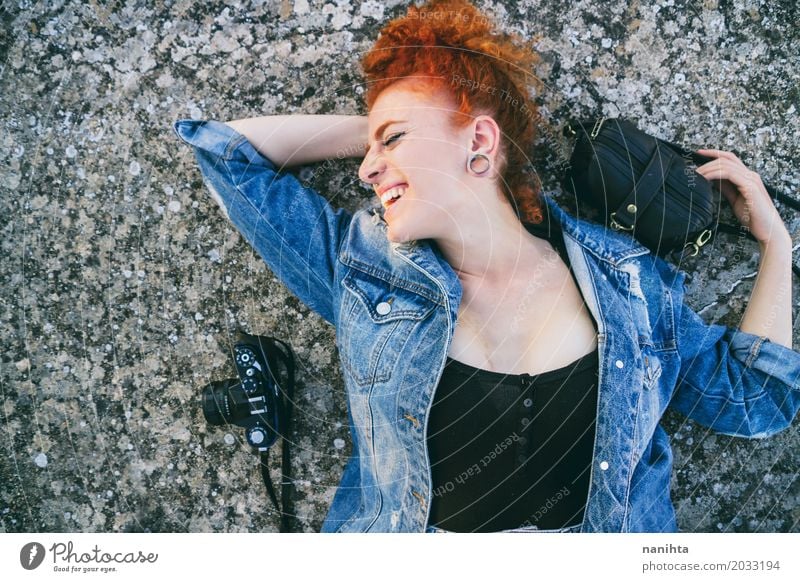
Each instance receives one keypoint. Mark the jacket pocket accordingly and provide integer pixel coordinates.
(378, 320)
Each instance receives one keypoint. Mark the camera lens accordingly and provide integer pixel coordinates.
(218, 404)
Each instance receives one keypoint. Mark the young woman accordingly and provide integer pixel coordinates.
(506, 363)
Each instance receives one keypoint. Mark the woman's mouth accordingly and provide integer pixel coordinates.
(393, 194)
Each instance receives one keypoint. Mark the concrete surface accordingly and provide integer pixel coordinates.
(122, 283)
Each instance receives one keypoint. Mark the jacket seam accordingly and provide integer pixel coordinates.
(690, 384)
(600, 378)
(429, 483)
(234, 144)
(754, 351)
(612, 260)
(392, 279)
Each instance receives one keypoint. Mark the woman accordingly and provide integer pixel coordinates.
(506, 364)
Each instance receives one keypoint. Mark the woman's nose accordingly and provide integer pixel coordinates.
(370, 169)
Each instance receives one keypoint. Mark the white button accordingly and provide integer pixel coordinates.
(618, 363)
(604, 465)
(383, 308)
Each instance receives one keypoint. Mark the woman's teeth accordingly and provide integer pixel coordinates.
(395, 192)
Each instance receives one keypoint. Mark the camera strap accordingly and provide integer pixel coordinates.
(278, 350)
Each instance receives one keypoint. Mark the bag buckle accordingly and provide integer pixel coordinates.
(617, 226)
(597, 126)
(704, 237)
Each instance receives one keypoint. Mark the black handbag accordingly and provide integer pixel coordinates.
(647, 187)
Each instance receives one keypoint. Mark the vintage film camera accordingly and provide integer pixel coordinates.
(260, 402)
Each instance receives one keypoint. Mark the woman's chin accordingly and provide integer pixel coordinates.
(397, 236)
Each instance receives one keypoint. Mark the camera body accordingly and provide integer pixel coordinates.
(251, 401)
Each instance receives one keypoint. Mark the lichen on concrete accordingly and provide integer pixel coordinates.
(122, 283)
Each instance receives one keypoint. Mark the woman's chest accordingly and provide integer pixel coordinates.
(527, 330)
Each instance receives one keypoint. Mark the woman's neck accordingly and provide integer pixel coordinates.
(493, 248)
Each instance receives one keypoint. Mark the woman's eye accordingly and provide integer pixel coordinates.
(393, 138)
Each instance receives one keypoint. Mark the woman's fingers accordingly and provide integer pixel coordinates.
(721, 154)
(724, 168)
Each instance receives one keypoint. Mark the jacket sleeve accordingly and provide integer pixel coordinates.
(734, 382)
(293, 228)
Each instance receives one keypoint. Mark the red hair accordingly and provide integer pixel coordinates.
(452, 49)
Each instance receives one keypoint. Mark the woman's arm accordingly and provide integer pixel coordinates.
(292, 140)
(296, 231)
(743, 382)
(769, 311)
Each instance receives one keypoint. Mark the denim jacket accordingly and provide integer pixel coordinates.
(394, 307)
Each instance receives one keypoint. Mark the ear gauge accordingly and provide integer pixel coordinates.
(483, 164)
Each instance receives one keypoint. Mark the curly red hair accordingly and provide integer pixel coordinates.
(451, 47)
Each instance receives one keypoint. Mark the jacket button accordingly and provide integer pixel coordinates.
(619, 364)
(527, 403)
(604, 465)
(383, 308)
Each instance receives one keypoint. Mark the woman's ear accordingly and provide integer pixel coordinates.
(485, 136)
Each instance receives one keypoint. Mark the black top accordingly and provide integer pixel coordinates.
(513, 450)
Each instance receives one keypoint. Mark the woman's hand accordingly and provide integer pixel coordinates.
(746, 193)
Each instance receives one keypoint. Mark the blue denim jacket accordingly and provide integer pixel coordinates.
(394, 307)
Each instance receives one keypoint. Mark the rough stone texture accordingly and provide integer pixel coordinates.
(122, 283)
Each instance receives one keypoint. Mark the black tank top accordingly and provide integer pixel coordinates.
(512, 450)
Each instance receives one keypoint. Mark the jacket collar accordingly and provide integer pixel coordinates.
(427, 265)
(603, 242)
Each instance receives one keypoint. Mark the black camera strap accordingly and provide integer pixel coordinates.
(284, 354)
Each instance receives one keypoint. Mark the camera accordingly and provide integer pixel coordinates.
(261, 404)
(252, 401)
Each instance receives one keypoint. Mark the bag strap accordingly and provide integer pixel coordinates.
(649, 184)
(739, 230)
(285, 403)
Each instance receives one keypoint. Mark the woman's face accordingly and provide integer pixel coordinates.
(423, 154)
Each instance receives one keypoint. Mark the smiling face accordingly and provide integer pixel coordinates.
(416, 153)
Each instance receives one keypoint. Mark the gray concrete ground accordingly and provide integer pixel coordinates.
(122, 282)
